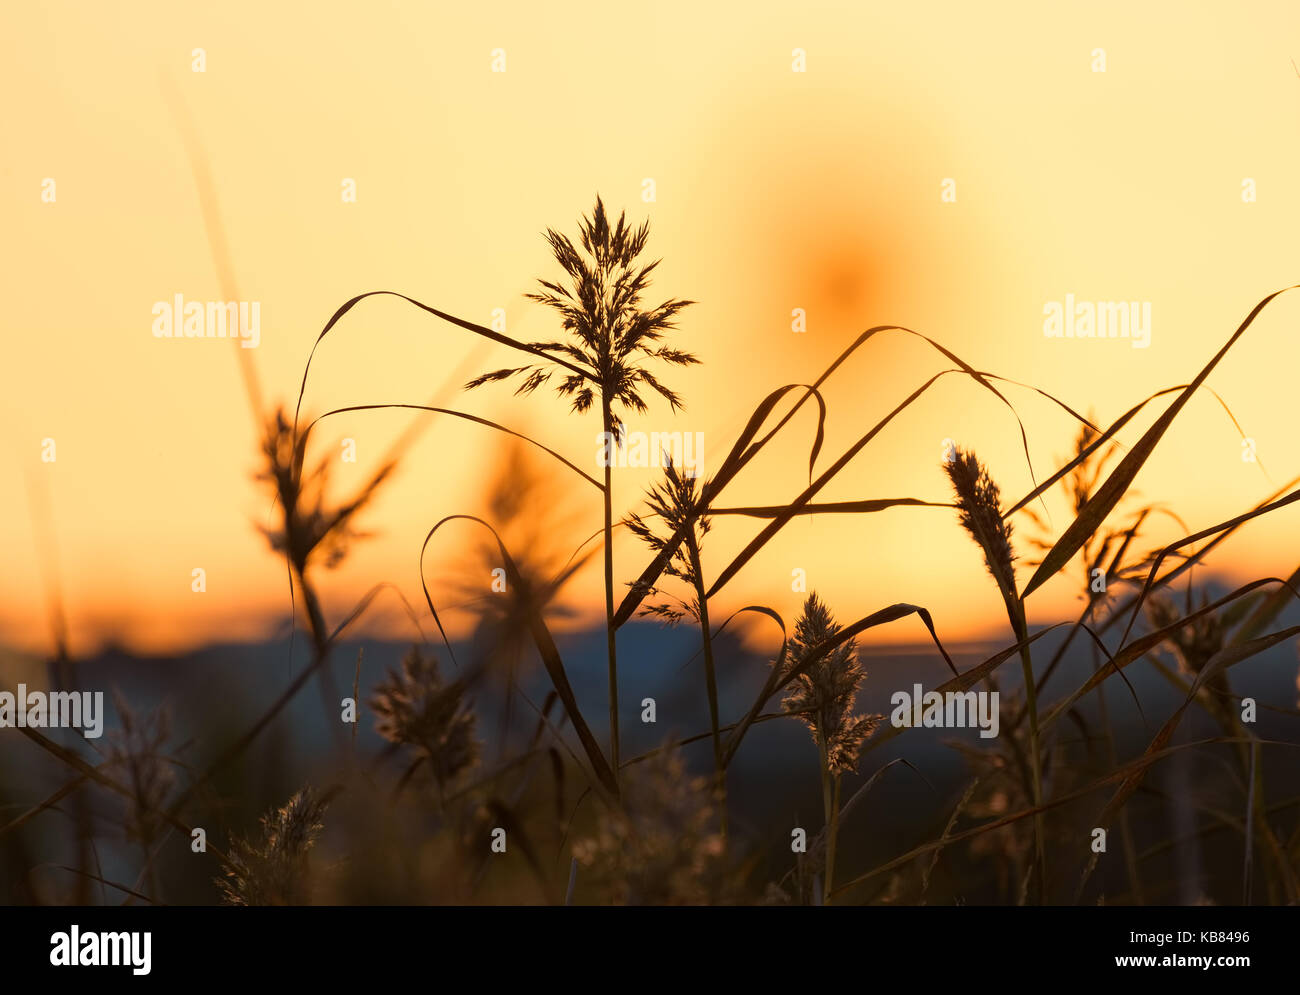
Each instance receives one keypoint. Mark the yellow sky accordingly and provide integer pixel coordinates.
(774, 189)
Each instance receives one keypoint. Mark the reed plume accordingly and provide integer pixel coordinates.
(823, 694)
(979, 510)
(272, 870)
(663, 845)
(136, 755)
(417, 708)
(979, 504)
(675, 501)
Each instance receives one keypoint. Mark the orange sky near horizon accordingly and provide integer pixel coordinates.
(774, 190)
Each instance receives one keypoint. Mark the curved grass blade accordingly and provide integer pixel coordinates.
(952, 357)
(778, 679)
(546, 648)
(467, 417)
(461, 322)
(965, 681)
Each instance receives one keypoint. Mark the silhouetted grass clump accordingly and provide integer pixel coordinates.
(447, 805)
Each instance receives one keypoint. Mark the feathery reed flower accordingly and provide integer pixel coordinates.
(979, 506)
(674, 501)
(417, 708)
(1083, 481)
(528, 514)
(136, 751)
(273, 870)
(308, 526)
(663, 845)
(825, 692)
(600, 308)
(1196, 642)
(611, 340)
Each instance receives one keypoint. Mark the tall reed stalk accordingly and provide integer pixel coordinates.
(823, 695)
(676, 501)
(980, 513)
(609, 338)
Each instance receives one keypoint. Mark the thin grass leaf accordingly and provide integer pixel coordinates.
(1269, 608)
(964, 681)
(943, 837)
(1144, 644)
(1203, 534)
(1028, 813)
(1189, 561)
(546, 648)
(832, 507)
(1225, 658)
(49, 803)
(74, 761)
(1095, 512)
(467, 417)
(103, 880)
(778, 680)
(789, 512)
